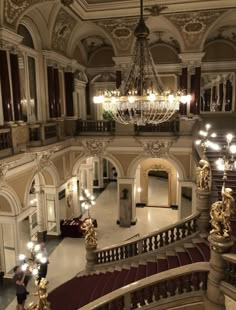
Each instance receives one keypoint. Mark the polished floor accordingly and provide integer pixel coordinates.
(68, 256)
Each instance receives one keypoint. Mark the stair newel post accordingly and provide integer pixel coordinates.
(217, 270)
(220, 242)
(91, 258)
(202, 203)
(90, 244)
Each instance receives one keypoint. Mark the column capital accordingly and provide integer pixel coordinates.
(122, 62)
(9, 40)
(191, 60)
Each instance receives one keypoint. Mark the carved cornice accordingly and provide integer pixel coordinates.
(155, 148)
(42, 159)
(3, 171)
(95, 147)
(62, 29)
(157, 167)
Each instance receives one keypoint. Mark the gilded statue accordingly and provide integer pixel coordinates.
(203, 175)
(42, 294)
(221, 212)
(90, 233)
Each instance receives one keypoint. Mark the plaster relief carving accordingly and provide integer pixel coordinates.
(157, 167)
(63, 27)
(42, 159)
(121, 31)
(194, 25)
(3, 171)
(156, 148)
(94, 147)
(5, 45)
(14, 8)
(81, 76)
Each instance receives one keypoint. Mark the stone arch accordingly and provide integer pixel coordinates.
(225, 19)
(163, 24)
(48, 176)
(134, 164)
(12, 201)
(30, 25)
(86, 30)
(109, 157)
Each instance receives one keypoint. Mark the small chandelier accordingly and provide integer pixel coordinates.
(141, 99)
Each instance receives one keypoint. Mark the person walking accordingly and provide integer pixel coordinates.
(21, 293)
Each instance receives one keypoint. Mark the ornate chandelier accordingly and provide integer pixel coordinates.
(141, 99)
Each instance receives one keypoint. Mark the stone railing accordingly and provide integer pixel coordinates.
(84, 126)
(5, 139)
(146, 244)
(44, 133)
(230, 268)
(171, 126)
(163, 288)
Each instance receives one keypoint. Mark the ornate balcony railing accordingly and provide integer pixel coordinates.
(155, 290)
(5, 139)
(44, 133)
(230, 268)
(171, 126)
(148, 243)
(83, 126)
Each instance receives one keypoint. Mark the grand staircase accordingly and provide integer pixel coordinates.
(217, 175)
(82, 290)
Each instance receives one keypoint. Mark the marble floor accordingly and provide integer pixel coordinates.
(68, 256)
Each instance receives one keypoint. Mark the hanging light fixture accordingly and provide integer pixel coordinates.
(141, 99)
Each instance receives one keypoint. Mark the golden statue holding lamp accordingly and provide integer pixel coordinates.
(221, 212)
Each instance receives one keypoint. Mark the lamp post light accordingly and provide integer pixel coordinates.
(226, 161)
(205, 141)
(87, 200)
(34, 260)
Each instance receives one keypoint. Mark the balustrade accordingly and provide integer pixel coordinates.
(95, 126)
(169, 126)
(5, 139)
(50, 131)
(156, 288)
(230, 268)
(148, 243)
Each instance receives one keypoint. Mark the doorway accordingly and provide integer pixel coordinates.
(158, 188)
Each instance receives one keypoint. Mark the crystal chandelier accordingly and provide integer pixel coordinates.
(141, 99)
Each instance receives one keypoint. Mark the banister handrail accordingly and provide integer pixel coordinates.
(147, 243)
(179, 272)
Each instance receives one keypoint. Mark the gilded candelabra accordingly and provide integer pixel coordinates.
(87, 200)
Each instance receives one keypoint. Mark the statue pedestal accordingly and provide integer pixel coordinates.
(91, 257)
(219, 245)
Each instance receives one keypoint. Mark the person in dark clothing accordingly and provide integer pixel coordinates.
(21, 294)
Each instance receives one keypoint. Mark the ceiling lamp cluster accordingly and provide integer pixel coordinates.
(141, 99)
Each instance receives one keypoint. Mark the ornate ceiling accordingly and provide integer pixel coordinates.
(88, 26)
(94, 9)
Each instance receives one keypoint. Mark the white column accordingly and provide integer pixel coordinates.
(100, 173)
(40, 208)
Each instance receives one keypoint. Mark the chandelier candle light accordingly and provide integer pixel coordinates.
(87, 200)
(205, 142)
(227, 161)
(32, 262)
(141, 99)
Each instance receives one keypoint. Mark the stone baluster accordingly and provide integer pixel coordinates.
(202, 204)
